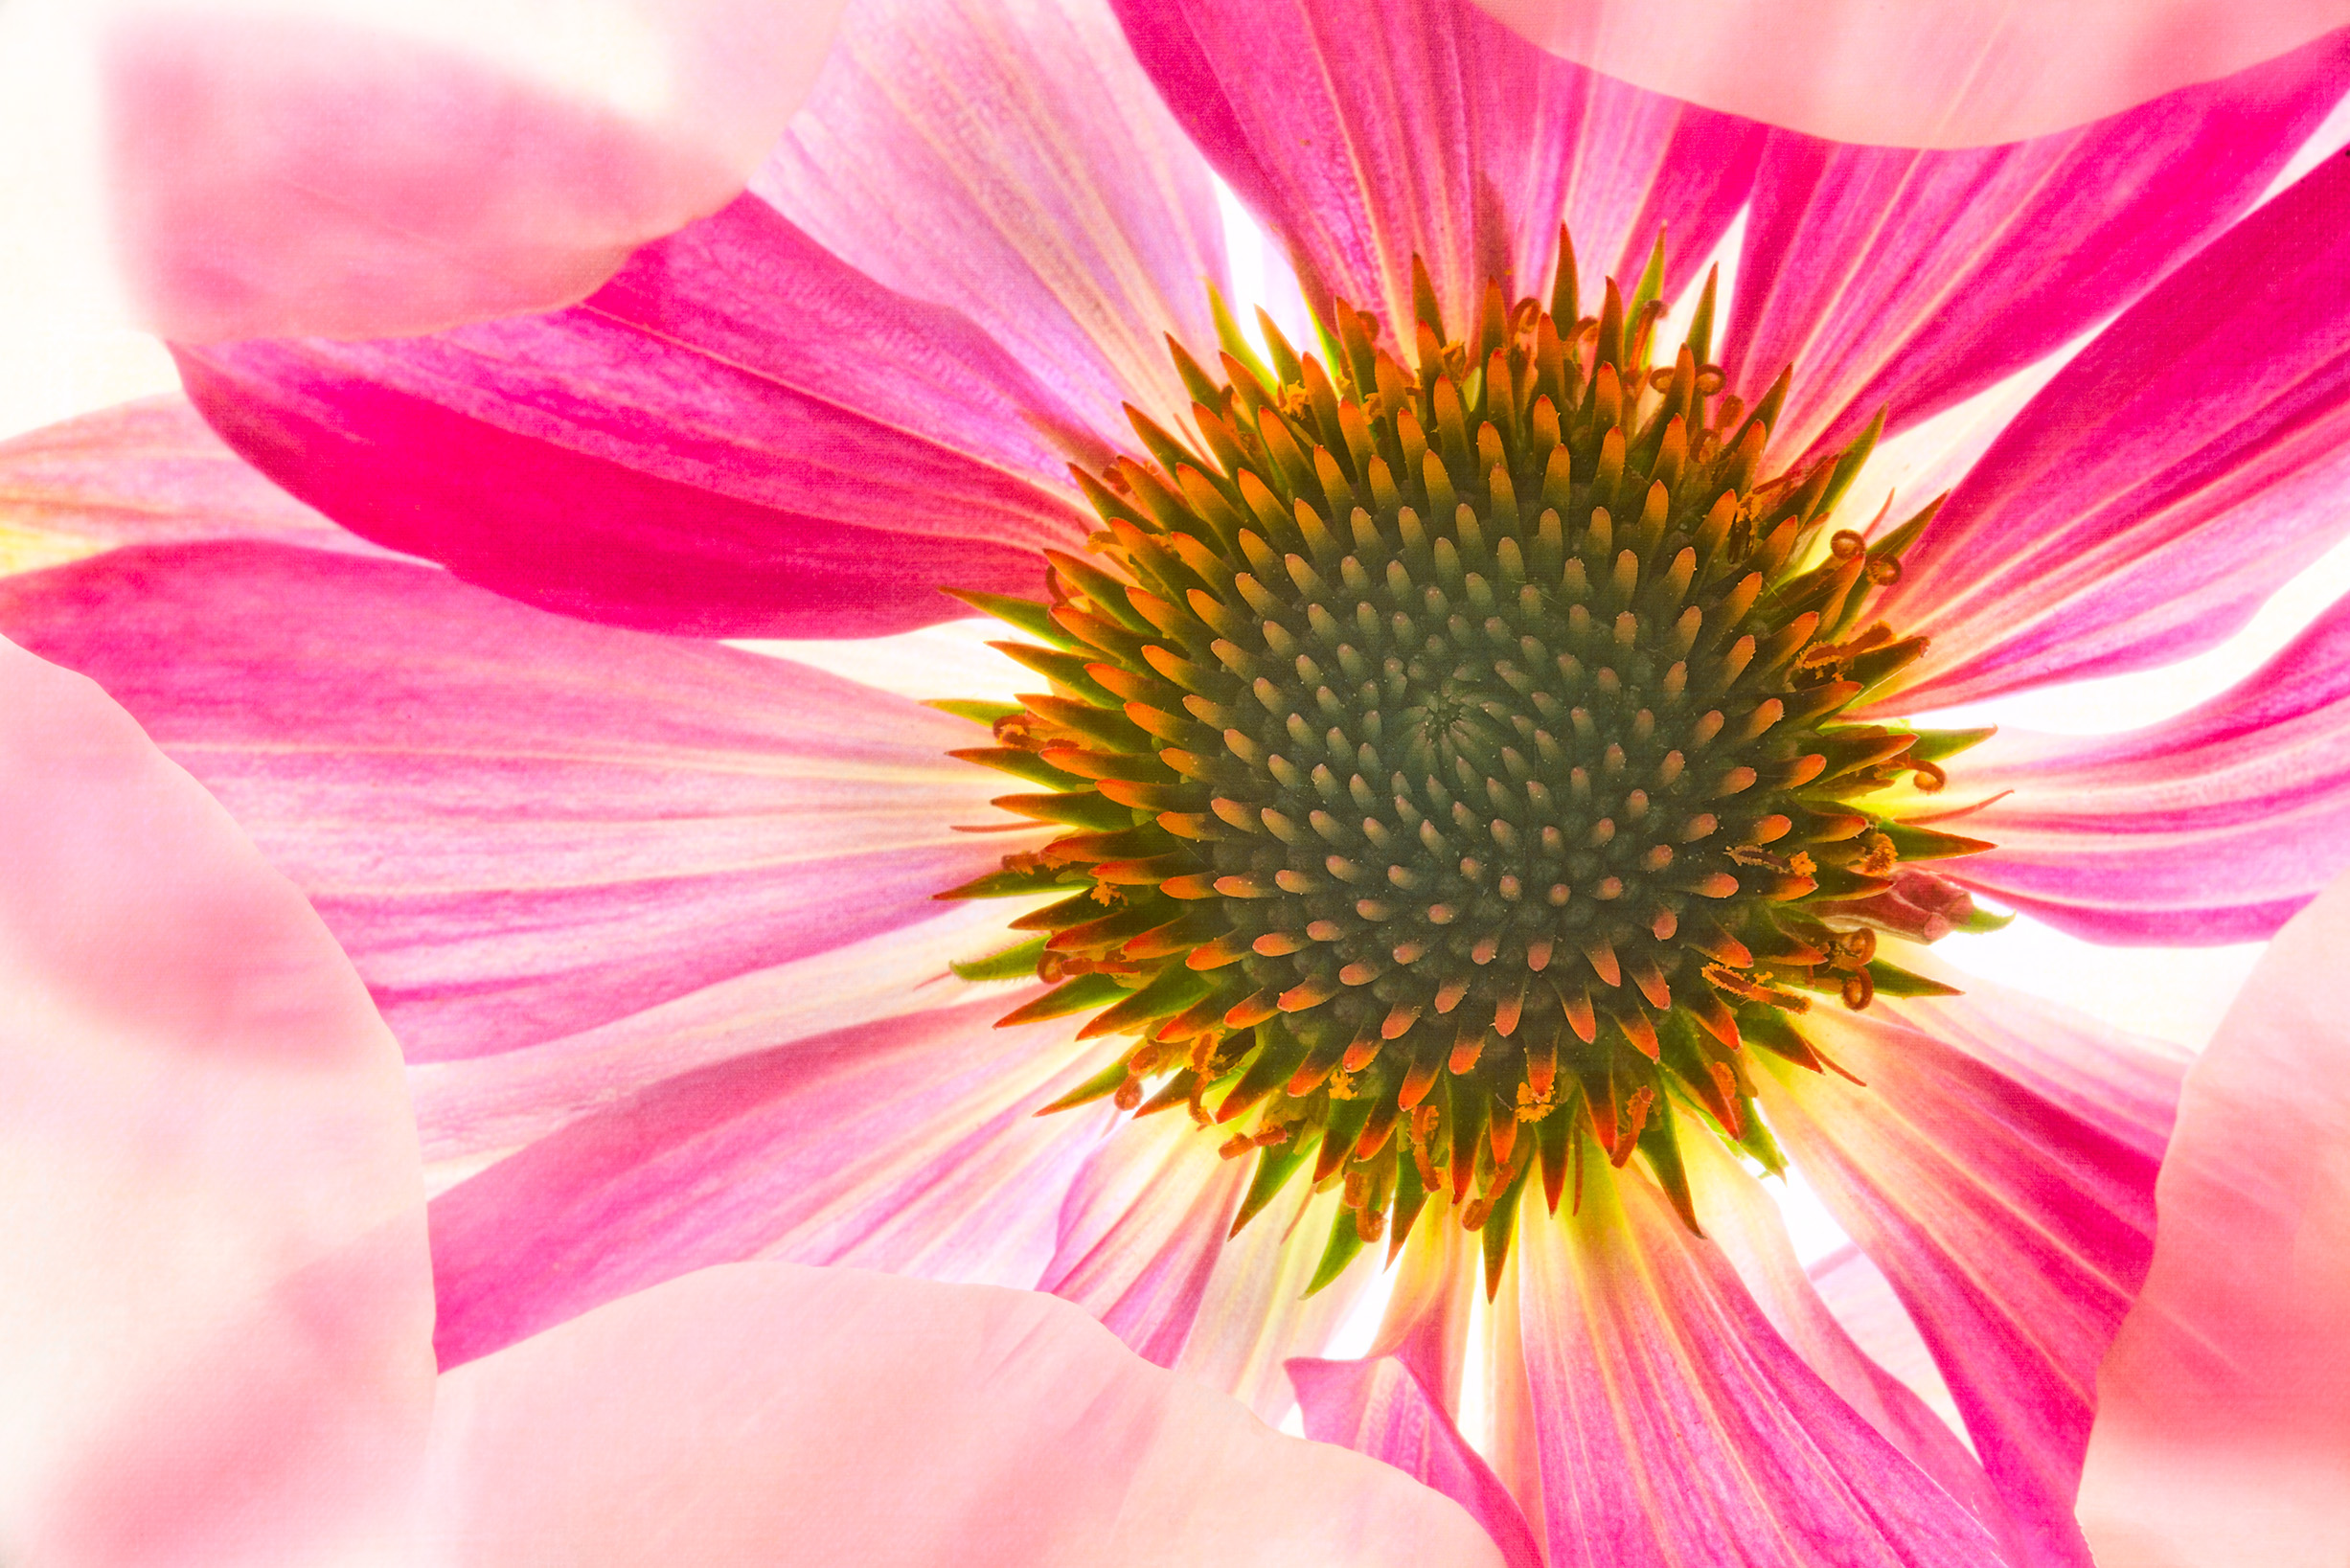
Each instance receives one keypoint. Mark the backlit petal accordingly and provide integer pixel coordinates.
(1376, 1406)
(1911, 280)
(519, 825)
(1855, 1291)
(2165, 483)
(1999, 1169)
(1676, 1426)
(2212, 826)
(1397, 1403)
(1012, 162)
(2223, 1431)
(217, 1290)
(1140, 1228)
(739, 436)
(909, 1143)
(1739, 1217)
(1948, 73)
(835, 1416)
(366, 169)
(149, 473)
(1365, 131)
(1256, 1314)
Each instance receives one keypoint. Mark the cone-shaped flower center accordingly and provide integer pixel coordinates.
(1456, 761)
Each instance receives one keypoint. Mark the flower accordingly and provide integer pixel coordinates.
(220, 1304)
(649, 913)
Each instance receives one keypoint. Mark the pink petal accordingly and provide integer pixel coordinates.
(470, 1107)
(739, 436)
(2211, 826)
(1676, 1426)
(519, 826)
(1397, 1404)
(1856, 1292)
(216, 1286)
(1011, 161)
(1376, 1407)
(149, 473)
(275, 175)
(1892, 278)
(2153, 493)
(1255, 1313)
(1950, 73)
(1999, 1169)
(764, 1412)
(1140, 1229)
(1741, 1219)
(1365, 131)
(909, 1143)
(2224, 1409)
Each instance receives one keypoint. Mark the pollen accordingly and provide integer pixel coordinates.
(1452, 750)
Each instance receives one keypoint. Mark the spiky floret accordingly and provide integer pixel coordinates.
(1454, 760)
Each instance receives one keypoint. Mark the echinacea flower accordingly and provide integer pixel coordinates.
(1482, 744)
(219, 1297)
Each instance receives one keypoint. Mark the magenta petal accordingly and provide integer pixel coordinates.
(2223, 1431)
(1378, 1407)
(1741, 1219)
(1011, 161)
(765, 1414)
(1140, 1230)
(1999, 1169)
(217, 1294)
(739, 436)
(2211, 826)
(2165, 483)
(1914, 280)
(909, 1143)
(1676, 1426)
(276, 175)
(1367, 130)
(519, 826)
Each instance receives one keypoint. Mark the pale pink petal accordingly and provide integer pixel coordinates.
(2211, 826)
(1397, 1403)
(767, 1413)
(1999, 1169)
(216, 1293)
(1140, 1228)
(1739, 1216)
(1911, 280)
(737, 436)
(2223, 1431)
(519, 826)
(2170, 478)
(909, 1143)
(1946, 73)
(149, 473)
(1676, 1426)
(356, 175)
(1012, 162)
(1365, 131)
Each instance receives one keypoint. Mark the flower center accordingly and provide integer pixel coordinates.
(1455, 760)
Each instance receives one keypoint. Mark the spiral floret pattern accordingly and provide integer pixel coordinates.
(1454, 761)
